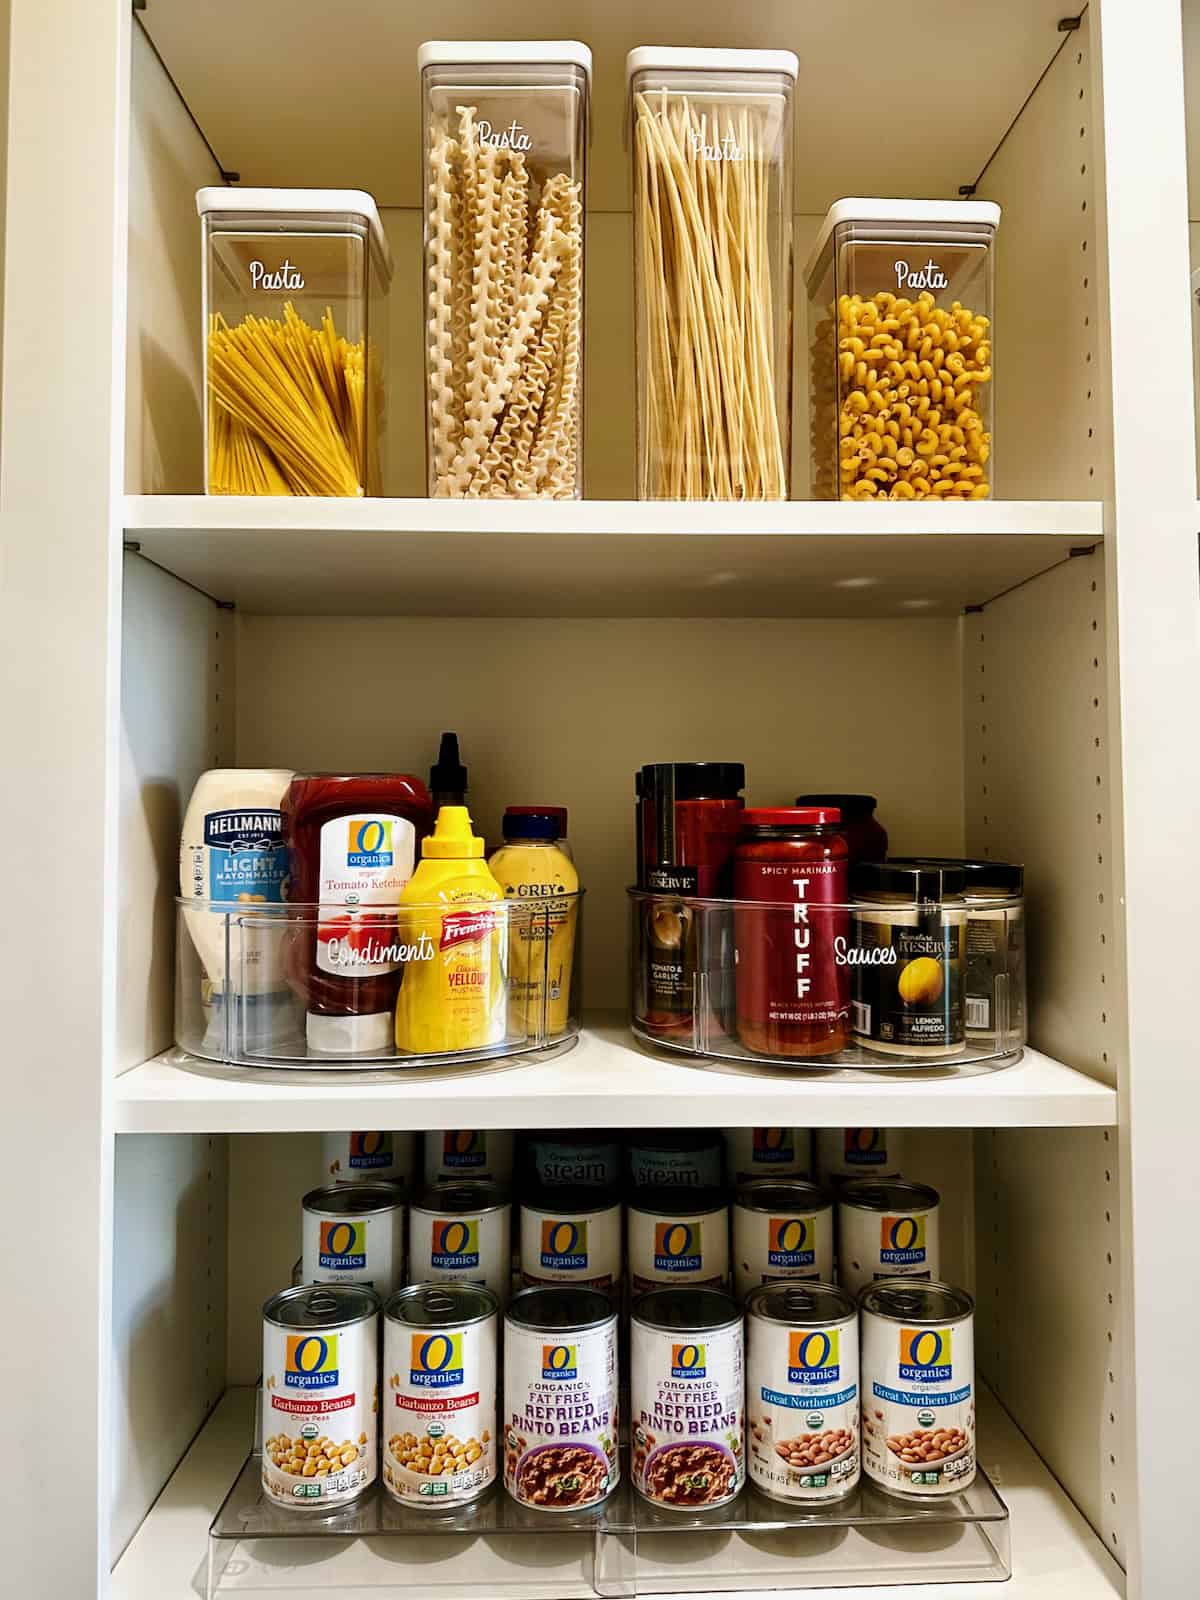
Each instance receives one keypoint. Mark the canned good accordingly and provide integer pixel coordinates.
(455, 1153)
(355, 1234)
(571, 1236)
(320, 1394)
(886, 1230)
(687, 1398)
(369, 1157)
(439, 1355)
(560, 1398)
(586, 1161)
(460, 1232)
(781, 1230)
(767, 1153)
(858, 1153)
(689, 1159)
(677, 1239)
(802, 1402)
(918, 1377)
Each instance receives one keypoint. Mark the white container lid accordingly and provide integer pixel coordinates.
(505, 53)
(324, 202)
(373, 1034)
(673, 58)
(944, 213)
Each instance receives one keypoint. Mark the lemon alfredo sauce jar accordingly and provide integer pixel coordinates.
(909, 936)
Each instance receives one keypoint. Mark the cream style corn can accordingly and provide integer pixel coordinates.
(802, 1400)
(320, 1394)
(439, 1363)
(571, 1236)
(781, 1230)
(886, 1230)
(354, 1233)
(918, 1379)
(459, 1232)
(678, 1238)
(369, 1158)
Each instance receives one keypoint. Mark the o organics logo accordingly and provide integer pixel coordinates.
(464, 1147)
(370, 1150)
(369, 842)
(687, 1361)
(455, 1243)
(901, 1241)
(773, 1144)
(677, 1247)
(790, 1241)
(436, 1360)
(343, 1246)
(564, 1245)
(864, 1147)
(813, 1355)
(925, 1355)
(558, 1361)
(311, 1361)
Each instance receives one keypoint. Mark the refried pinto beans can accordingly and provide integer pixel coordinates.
(439, 1428)
(886, 1230)
(687, 1398)
(320, 1394)
(560, 1398)
(571, 1236)
(781, 1230)
(802, 1401)
(354, 1233)
(459, 1232)
(680, 1238)
(918, 1380)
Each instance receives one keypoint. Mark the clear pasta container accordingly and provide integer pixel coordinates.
(900, 299)
(506, 132)
(712, 215)
(295, 303)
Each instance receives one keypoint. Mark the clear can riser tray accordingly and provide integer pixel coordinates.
(884, 985)
(302, 986)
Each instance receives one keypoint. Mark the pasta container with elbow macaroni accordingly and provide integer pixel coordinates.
(295, 339)
(711, 141)
(505, 135)
(900, 340)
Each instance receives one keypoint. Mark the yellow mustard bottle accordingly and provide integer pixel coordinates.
(538, 876)
(452, 993)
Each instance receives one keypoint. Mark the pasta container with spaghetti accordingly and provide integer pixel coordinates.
(712, 232)
(900, 350)
(295, 329)
(505, 149)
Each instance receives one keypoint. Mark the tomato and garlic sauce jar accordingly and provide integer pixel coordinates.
(781, 1230)
(687, 1398)
(560, 1398)
(678, 1238)
(354, 1233)
(460, 1232)
(767, 1153)
(918, 1379)
(886, 1230)
(571, 1236)
(802, 1401)
(320, 1394)
(369, 1157)
(689, 1159)
(455, 1153)
(844, 1153)
(573, 1161)
(439, 1362)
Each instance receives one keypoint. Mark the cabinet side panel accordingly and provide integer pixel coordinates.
(269, 1175)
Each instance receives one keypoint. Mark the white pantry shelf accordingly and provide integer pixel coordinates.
(607, 1080)
(595, 558)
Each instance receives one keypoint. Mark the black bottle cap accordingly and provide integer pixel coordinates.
(692, 780)
(448, 776)
(915, 881)
(852, 806)
(983, 877)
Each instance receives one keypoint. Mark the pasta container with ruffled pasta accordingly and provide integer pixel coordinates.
(900, 343)
(295, 341)
(505, 129)
(711, 142)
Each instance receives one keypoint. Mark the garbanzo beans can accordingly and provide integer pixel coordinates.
(439, 1363)
(918, 1380)
(459, 1233)
(802, 1400)
(781, 1230)
(560, 1398)
(320, 1394)
(887, 1230)
(354, 1233)
(687, 1398)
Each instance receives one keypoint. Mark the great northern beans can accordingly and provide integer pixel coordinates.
(320, 1394)
(918, 1379)
(354, 1233)
(781, 1230)
(678, 1238)
(886, 1230)
(460, 1232)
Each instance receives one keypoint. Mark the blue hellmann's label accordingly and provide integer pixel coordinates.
(247, 859)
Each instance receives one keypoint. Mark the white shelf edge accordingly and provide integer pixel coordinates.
(1055, 1551)
(607, 1080)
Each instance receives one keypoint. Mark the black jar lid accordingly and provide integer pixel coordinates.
(692, 780)
(981, 877)
(852, 806)
(907, 880)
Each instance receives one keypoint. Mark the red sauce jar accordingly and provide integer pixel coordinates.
(866, 837)
(793, 997)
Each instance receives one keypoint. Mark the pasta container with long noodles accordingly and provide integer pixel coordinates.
(295, 341)
(505, 152)
(900, 343)
(711, 140)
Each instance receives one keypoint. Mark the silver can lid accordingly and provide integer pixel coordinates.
(321, 1305)
(468, 1197)
(560, 1308)
(666, 1201)
(869, 1194)
(354, 1199)
(907, 1300)
(441, 1305)
(686, 1310)
(783, 1195)
(801, 1305)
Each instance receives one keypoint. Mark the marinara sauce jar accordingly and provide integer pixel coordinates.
(793, 997)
